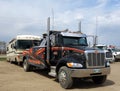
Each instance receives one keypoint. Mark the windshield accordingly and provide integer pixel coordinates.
(116, 50)
(26, 44)
(75, 41)
(102, 47)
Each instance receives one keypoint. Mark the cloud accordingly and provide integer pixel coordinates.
(108, 22)
(29, 17)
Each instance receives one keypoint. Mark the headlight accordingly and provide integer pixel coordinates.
(77, 65)
(108, 63)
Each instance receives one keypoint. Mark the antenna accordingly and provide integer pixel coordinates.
(52, 19)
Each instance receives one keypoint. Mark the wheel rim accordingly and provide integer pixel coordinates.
(62, 77)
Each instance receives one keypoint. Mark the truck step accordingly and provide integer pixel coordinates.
(52, 71)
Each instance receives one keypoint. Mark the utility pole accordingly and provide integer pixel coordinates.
(52, 19)
(95, 41)
(93, 37)
(79, 26)
(96, 37)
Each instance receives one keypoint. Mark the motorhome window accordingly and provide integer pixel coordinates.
(12, 45)
(75, 41)
(7, 49)
(26, 44)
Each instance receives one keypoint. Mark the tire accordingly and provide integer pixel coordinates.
(64, 77)
(20, 63)
(11, 62)
(26, 65)
(99, 79)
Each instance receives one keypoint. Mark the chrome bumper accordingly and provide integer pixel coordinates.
(89, 72)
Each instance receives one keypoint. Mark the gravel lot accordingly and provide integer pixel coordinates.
(13, 78)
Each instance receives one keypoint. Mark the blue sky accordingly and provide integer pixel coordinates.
(30, 16)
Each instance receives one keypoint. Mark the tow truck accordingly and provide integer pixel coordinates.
(66, 56)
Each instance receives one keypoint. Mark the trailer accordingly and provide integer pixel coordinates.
(66, 56)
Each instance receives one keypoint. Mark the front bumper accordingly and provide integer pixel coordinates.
(89, 72)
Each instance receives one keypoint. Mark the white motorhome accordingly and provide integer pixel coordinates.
(20, 43)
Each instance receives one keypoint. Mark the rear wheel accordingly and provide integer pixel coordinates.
(26, 65)
(64, 77)
(11, 62)
(99, 79)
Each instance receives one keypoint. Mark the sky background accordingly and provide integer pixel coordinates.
(30, 17)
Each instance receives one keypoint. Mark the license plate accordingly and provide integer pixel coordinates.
(96, 70)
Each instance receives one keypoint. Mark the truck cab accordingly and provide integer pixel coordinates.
(116, 53)
(67, 56)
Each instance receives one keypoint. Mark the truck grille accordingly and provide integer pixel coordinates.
(96, 59)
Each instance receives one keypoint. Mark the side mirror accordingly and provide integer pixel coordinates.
(59, 40)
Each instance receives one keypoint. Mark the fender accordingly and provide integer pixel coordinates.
(75, 58)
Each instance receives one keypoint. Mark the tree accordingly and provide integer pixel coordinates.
(2, 47)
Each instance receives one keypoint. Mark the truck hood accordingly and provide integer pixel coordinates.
(84, 48)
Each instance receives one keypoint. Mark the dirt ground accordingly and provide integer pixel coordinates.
(13, 78)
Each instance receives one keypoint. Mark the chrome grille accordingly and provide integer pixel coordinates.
(96, 59)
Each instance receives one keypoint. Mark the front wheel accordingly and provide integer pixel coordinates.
(64, 77)
(26, 65)
(99, 79)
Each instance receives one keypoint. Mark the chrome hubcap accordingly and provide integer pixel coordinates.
(62, 77)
